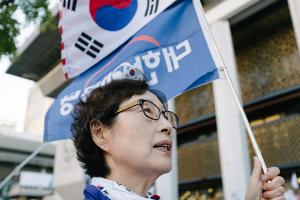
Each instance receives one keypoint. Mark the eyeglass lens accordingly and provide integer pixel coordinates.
(153, 112)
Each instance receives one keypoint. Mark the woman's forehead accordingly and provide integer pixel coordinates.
(147, 96)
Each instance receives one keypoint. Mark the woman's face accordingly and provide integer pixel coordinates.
(139, 143)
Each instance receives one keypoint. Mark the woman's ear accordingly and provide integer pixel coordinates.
(99, 134)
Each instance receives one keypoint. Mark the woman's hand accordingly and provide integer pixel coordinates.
(268, 186)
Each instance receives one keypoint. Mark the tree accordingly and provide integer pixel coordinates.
(35, 11)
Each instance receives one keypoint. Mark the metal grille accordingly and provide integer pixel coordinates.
(196, 161)
(279, 142)
(195, 103)
(267, 56)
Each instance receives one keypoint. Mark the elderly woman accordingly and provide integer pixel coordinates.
(123, 135)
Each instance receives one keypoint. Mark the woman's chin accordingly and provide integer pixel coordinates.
(165, 168)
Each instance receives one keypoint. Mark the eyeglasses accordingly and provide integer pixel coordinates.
(151, 111)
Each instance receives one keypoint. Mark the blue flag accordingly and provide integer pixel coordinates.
(171, 50)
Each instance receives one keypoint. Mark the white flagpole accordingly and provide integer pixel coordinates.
(21, 165)
(220, 63)
(247, 124)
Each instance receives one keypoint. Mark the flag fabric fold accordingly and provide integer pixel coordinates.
(171, 50)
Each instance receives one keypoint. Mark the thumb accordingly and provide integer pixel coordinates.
(256, 173)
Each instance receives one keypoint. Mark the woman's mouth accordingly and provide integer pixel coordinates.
(164, 146)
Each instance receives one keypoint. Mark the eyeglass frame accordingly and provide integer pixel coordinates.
(140, 103)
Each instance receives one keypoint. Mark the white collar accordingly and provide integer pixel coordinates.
(117, 191)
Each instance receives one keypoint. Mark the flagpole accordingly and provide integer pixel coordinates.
(247, 124)
(219, 60)
(21, 165)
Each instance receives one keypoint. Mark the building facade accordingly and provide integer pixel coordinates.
(266, 41)
(264, 37)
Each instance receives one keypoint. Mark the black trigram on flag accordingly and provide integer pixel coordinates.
(70, 4)
(88, 45)
(152, 6)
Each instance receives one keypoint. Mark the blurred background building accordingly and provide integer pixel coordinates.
(266, 40)
(35, 180)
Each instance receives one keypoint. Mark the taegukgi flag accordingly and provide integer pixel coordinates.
(171, 50)
(92, 29)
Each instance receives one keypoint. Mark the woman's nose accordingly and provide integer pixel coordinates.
(166, 126)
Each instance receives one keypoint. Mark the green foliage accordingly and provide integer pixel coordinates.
(36, 11)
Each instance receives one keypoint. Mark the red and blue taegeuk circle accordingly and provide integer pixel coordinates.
(113, 15)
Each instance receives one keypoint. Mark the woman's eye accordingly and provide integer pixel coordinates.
(148, 110)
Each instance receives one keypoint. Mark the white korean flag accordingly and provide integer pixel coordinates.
(92, 29)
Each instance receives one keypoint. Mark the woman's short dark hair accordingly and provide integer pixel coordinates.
(101, 104)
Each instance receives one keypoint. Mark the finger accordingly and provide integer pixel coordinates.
(272, 172)
(274, 193)
(256, 173)
(279, 198)
(274, 183)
